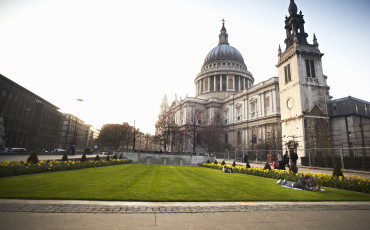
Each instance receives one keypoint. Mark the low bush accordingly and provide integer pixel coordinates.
(65, 157)
(108, 158)
(293, 168)
(353, 183)
(248, 165)
(337, 172)
(223, 163)
(267, 166)
(83, 158)
(33, 158)
(215, 162)
(97, 158)
(234, 164)
(15, 168)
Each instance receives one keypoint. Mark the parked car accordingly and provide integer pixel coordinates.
(59, 151)
(15, 150)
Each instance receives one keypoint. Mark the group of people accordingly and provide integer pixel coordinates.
(305, 183)
(226, 169)
(283, 161)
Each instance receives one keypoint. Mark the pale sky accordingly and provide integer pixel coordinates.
(122, 57)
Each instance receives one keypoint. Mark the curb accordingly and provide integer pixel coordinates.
(79, 206)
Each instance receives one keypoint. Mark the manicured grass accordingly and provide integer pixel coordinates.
(139, 182)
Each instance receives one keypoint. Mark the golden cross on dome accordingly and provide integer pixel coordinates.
(223, 21)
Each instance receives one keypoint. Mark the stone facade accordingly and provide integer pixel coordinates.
(225, 94)
(291, 112)
(350, 126)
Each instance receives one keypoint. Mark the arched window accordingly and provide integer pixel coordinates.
(254, 136)
(226, 138)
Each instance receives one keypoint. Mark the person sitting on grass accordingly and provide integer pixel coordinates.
(275, 164)
(226, 169)
(305, 183)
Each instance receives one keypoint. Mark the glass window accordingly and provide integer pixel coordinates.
(310, 68)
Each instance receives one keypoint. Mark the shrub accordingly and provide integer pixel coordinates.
(83, 158)
(293, 168)
(120, 156)
(108, 157)
(223, 163)
(33, 158)
(65, 157)
(97, 158)
(115, 156)
(337, 172)
(267, 166)
(208, 162)
(248, 165)
(234, 163)
(215, 162)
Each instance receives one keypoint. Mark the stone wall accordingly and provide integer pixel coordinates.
(165, 159)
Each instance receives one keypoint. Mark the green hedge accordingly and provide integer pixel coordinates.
(353, 183)
(15, 168)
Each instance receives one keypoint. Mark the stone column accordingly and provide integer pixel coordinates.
(262, 98)
(234, 83)
(273, 98)
(214, 83)
(209, 84)
(220, 82)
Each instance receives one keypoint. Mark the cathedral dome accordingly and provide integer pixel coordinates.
(223, 52)
(223, 72)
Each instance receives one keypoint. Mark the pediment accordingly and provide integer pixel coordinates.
(316, 111)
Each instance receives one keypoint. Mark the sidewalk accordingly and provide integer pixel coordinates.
(312, 170)
(121, 207)
(66, 214)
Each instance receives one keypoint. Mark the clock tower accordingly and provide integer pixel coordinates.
(303, 90)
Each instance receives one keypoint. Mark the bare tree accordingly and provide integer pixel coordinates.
(211, 135)
(115, 135)
(164, 126)
(193, 126)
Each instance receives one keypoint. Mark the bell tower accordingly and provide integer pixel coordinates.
(303, 89)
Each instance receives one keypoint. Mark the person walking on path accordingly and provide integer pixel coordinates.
(280, 161)
(286, 159)
(294, 157)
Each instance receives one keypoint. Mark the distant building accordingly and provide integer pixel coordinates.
(73, 133)
(350, 125)
(91, 134)
(26, 120)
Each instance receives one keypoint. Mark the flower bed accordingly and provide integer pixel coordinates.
(14, 168)
(353, 183)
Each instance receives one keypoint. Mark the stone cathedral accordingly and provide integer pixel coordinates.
(288, 112)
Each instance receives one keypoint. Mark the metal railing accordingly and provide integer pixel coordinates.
(356, 158)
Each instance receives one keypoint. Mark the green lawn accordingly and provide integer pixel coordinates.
(139, 182)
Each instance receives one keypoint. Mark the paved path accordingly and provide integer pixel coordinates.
(44, 214)
(80, 206)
